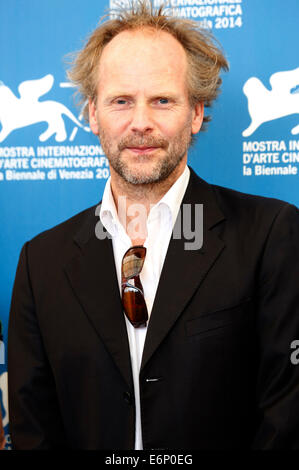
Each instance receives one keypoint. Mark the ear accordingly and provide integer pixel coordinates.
(93, 122)
(197, 117)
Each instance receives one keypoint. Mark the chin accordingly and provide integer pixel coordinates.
(145, 170)
(142, 172)
(138, 176)
(141, 178)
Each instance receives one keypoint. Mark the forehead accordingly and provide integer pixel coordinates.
(143, 55)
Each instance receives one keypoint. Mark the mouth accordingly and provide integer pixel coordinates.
(142, 150)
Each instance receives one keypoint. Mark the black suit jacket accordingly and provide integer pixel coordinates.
(218, 341)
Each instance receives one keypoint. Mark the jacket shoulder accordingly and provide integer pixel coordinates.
(236, 204)
(60, 236)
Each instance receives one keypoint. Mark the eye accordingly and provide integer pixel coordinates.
(163, 100)
(121, 101)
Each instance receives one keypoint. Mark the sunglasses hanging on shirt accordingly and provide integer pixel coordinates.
(132, 291)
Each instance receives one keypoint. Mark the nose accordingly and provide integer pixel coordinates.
(141, 119)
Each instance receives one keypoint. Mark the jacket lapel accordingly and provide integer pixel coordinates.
(184, 270)
(93, 278)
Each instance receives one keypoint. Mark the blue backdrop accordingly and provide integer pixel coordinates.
(51, 167)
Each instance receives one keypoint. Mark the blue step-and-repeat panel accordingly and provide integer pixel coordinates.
(52, 166)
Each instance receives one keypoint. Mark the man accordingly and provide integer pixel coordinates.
(112, 346)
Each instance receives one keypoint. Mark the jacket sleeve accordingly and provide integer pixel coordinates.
(35, 420)
(277, 328)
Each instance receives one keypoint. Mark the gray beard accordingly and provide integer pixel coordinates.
(160, 173)
(163, 168)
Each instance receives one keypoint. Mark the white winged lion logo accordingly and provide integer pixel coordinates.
(16, 113)
(265, 105)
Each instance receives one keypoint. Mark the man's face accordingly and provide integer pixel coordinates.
(142, 112)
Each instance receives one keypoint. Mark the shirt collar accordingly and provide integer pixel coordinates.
(173, 198)
(108, 213)
(171, 202)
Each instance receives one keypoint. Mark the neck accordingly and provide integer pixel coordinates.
(126, 195)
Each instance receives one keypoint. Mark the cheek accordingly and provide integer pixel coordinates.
(114, 126)
(176, 128)
(176, 122)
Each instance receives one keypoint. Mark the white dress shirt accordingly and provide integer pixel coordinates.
(160, 222)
